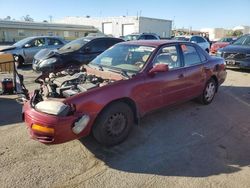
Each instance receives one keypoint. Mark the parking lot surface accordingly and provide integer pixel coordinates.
(188, 145)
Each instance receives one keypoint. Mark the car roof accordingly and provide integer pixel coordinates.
(153, 43)
(100, 37)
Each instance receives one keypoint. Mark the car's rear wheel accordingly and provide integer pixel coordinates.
(208, 92)
(113, 124)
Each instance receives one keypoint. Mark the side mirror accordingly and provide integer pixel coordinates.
(158, 68)
(27, 45)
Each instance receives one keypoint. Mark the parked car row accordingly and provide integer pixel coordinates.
(74, 54)
(223, 42)
(26, 49)
(237, 54)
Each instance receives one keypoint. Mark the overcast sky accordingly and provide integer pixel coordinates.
(192, 13)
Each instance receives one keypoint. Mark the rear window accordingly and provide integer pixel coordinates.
(182, 38)
(191, 56)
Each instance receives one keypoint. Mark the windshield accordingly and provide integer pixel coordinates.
(131, 37)
(22, 42)
(74, 45)
(245, 40)
(182, 38)
(126, 57)
(225, 40)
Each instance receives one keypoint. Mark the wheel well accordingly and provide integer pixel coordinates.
(216, 81)
(130, 103)
(21, 58)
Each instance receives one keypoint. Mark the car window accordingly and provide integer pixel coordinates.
(200, 39)
(37, 42)
(244, 40)
(99, 45)
(54, 42)
(168, 55)
(148, 37)
(142, 37)
(190, 54)
(110, 43)
(74, 45)
(193, 39)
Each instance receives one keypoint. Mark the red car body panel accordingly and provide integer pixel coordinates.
(217, 45)
(144, 91)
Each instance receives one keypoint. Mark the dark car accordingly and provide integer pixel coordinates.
(237, 55)
(120, 86)
(25, 49)
(74, 54)
(141, 36)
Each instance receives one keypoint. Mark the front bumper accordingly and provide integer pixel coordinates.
(62, 126)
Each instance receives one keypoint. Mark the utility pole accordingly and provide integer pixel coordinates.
(50, 18)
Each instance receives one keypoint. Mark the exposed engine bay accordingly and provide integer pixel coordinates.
(65, 84)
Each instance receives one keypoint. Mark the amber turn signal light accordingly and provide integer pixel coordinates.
(43, 129)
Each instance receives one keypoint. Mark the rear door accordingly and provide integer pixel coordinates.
(194, 70)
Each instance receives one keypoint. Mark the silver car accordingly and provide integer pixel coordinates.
(201, 41)
(25, 49)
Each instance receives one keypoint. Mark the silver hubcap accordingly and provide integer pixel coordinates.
(116, 124)
(210, 91)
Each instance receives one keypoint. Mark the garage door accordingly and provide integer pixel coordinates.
(127, 29)
(107, 28)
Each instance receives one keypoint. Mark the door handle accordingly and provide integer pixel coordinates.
(181, 75)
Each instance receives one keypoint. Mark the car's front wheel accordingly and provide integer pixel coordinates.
(113, 124)
(209, 92)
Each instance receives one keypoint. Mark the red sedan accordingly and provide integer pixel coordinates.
(109, 95)
(221, 44)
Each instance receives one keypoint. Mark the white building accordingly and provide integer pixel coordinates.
(215, 33)
(11, 31)
(121, 26)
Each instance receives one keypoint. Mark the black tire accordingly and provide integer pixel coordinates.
(113, 124)
(19, 62)
(208, 93)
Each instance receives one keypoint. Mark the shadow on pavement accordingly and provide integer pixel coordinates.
(10, 110)
(188, 140)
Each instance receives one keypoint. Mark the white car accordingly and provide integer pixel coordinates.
(201, 41)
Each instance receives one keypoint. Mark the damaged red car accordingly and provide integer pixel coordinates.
(109, 95)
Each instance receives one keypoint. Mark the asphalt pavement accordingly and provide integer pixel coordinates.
(188, 145)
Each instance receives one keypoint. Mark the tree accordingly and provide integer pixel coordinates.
(8, 18)
(27, 18)
(237, 33)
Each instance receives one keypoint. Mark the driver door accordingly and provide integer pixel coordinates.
(31, 48)
(164, 88)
